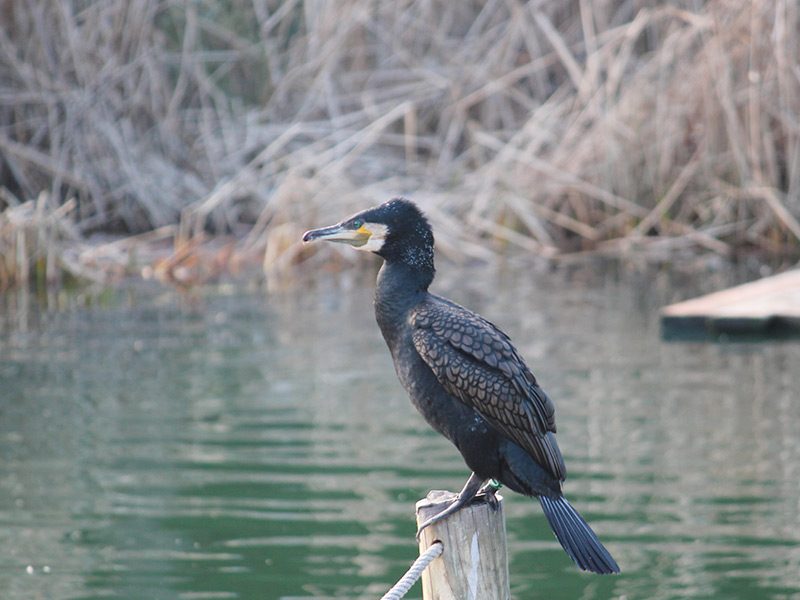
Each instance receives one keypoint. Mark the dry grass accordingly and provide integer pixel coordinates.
(554, 127)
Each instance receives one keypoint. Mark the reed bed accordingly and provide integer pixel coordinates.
(553, 127)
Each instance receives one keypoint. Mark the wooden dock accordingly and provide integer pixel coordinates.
(768, 307)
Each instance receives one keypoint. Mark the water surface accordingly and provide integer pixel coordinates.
(253, 445)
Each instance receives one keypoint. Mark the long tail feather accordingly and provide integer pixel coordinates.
(576, 537)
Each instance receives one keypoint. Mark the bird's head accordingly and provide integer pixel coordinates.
(396, 230)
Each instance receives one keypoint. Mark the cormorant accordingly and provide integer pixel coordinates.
(465, 377)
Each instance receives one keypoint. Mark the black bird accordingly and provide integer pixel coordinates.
(465, 377)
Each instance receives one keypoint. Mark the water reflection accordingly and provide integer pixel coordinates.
(260, 447)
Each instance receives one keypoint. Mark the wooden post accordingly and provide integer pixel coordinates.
(474, 564)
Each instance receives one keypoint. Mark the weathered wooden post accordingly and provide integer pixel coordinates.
(474, 564)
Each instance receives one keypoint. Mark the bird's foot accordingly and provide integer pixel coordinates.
(457, 504)
(489, 492)
(464, 497)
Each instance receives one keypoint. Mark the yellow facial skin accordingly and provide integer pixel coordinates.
(376, 233)
(362, 235)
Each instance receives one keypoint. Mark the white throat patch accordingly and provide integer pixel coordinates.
(378, 233)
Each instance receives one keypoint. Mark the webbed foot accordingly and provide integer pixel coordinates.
(465, 496)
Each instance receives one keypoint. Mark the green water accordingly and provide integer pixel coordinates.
(254, 445)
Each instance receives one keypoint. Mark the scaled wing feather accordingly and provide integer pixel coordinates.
(475, 362)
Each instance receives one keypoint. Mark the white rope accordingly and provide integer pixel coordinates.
(414, 572)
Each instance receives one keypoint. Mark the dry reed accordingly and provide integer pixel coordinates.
(552, 126)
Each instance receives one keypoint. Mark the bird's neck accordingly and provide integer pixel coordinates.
(400, 287)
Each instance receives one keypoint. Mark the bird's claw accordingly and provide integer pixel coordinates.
(491, 498)
(455, 505)
(428, 522)
(462, 499)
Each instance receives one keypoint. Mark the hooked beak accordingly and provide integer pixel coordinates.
(338, 233)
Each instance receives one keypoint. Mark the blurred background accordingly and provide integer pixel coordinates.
(194, 405)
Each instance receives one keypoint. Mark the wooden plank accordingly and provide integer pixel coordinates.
(769, 305)
(474, 564)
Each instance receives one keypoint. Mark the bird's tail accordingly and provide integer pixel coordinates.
(576, 537)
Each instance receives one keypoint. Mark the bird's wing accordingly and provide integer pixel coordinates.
(475, 362)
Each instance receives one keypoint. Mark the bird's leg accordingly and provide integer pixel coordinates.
(465, 496)
(489, 491)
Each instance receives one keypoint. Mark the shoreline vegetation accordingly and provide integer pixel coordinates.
(183, 141)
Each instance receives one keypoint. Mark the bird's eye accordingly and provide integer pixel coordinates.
(357, 224)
